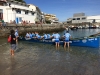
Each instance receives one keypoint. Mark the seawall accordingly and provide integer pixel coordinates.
(5, 31)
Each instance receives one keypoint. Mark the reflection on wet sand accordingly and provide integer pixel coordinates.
(12, 65)
(42, 59)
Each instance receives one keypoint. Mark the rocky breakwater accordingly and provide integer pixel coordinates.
(5, 31)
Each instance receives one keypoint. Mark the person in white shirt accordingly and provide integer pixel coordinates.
(27, 35)
(16, 34)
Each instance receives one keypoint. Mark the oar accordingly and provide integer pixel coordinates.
(94, 35)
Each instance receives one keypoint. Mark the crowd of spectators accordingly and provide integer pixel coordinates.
(25, 23)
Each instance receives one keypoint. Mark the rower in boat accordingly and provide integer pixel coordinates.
(37, 36)
(66, 39)
(53, 35)
(27, 35)
(48, 36)
(33, 34)
(44, 36)
(30, 35)
(57, 39)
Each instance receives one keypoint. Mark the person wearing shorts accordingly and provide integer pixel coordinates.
(57, 37)
(13, 42)
(66, 37)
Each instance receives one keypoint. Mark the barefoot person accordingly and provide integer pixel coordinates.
(66, 37)
(13, 42)
(57, 37)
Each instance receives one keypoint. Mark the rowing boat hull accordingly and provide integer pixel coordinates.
(88, 42)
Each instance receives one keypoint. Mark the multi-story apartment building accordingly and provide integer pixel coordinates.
(39, 15)
(11, 10)
(81, 18)
(51, 17)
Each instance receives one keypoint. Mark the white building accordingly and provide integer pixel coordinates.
(94, 18)
(52, 18)
(82, 19)
(11, 10)
(38, 15)
(43, 17)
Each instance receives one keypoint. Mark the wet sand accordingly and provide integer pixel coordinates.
(41, 59)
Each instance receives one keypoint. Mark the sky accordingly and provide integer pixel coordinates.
(64, 9)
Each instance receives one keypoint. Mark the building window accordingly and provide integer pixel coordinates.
(9, 4)
(83, 18)
(78, 18)
(32, 13)
(26, 12)
(18, 11)
(13, 9)
(74, 19)
(20, 19)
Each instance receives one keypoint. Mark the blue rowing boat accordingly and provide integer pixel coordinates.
(84, 42)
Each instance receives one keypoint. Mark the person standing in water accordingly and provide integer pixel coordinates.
(57, 37)
(67, 36)
(13, 42)
(16, 34)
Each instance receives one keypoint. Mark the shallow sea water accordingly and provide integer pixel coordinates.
(44, 59)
